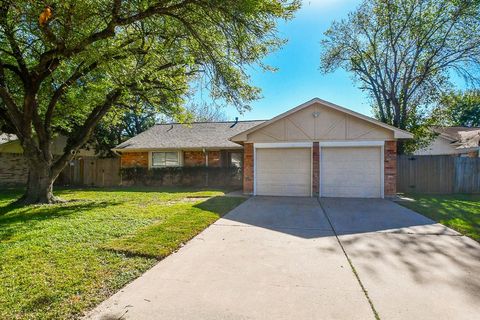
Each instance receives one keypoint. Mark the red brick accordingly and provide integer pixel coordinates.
(390, 169)
(193, 158)
(248, 168)
(316, 168)
(134, 159)
(214, 159)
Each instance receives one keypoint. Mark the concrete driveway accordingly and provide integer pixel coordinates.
(280, 258)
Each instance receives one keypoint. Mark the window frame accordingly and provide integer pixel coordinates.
(179, 159)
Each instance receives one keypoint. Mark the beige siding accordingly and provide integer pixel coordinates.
(439, 146)
(283, 172)
(350, 172)
(330, 124)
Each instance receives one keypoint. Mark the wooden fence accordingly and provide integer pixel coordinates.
(438, 174)
(91, 171)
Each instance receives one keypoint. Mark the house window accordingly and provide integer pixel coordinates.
(236, 159)
(165, 159)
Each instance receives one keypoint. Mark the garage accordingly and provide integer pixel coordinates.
(283, 171)
(351, 172)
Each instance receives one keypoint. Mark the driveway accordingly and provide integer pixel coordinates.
(280, 258)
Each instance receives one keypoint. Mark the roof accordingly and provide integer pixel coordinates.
(398, 133)
(460, 137)
(188, 136)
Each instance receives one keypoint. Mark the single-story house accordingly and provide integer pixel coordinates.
(457, 141)
(316, 148)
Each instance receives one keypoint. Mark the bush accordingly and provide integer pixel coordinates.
(182, 176)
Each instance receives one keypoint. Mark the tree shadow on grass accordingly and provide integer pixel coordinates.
(12, 215)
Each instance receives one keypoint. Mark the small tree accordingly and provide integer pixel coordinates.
(403, 52)
(64, 65)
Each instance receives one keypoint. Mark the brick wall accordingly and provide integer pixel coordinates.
(13, 169)
(316, 168)
(214, 159)
(193, 158)
(134, 159)
(248, 168)
(390, 172)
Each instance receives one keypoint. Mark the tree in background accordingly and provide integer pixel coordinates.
(65, 64)
(128, 121)
(403, 52)
(461, 109)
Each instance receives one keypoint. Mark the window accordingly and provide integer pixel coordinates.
(165, 159)
(236, 159)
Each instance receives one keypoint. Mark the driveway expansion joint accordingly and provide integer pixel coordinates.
(355, 273)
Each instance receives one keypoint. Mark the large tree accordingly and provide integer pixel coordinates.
(65, 63)
(403, 53)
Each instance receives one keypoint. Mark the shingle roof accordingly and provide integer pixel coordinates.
(188, 136)
(461, 137)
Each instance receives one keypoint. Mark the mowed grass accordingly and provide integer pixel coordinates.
(460, 212)
(58, 261)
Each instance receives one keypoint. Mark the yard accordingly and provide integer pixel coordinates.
(460, 212)
(58, 261)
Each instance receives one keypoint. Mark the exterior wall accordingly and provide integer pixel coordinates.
(214, 159)
(13, 169)
(329, 124)
(134, 159)
(248, 168)
(193, 158)
(390, 168)
(439, 146)
(316, 169)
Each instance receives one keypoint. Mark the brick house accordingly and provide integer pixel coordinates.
(317, 148)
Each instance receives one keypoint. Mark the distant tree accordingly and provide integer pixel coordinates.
(65, 64)
(403, 52)
(461, 108)
(203, 112)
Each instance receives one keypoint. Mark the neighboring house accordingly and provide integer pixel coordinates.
(317, 148)
(458, 141)
(13, 167)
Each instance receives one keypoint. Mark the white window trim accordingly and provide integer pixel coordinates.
(150, 158)
(280, 145)
(339, 144)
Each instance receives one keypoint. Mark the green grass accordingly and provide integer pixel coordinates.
(57, 261)
(460, 212)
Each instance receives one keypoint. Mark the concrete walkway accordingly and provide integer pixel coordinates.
(279, 258)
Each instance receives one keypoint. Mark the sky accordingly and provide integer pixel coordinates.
(298, 78)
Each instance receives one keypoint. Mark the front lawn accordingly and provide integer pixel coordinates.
(460, 212)
(58, 261)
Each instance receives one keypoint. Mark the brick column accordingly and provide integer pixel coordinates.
(316, 168)
(248, 168)
(390, 171)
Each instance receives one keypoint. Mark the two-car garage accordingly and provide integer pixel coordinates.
(344, 171)
(320, 149)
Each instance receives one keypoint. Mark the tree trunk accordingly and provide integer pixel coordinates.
(39, 184)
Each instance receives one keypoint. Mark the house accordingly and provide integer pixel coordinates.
(14, 169)
(317, 148)
(458, 141)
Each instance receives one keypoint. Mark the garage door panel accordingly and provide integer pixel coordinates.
(351, 172)
(283, 172)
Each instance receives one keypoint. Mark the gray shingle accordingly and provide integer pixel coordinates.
(188, 136)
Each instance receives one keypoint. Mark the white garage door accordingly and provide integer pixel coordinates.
(283, 172)
(350, 172)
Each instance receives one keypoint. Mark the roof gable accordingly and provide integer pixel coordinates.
(330, 122)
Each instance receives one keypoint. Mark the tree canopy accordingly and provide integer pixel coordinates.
(461, 108)
(65, 63)
(404, 52)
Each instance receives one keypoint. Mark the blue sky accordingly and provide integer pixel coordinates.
(298, 78)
